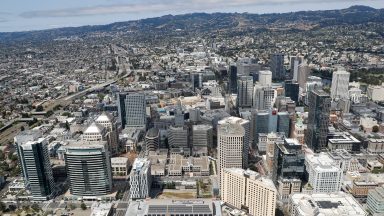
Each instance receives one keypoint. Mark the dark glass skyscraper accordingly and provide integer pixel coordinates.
(289, 160)
(232, 87)
(318, 120)
(277, 66)
(292, 90)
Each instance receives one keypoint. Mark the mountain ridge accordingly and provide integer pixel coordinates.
(211, 22)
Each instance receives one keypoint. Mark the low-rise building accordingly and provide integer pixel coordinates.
(343, 140)
(120, 167)
(335, 204)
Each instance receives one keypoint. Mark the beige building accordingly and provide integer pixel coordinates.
(120, 167)
(230, 141)
(248, 190)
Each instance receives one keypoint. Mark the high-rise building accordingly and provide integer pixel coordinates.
(110, 123)
(135, 106)
(288, 167)
(152, 140)
(292, 90)
(95, 132)
(277, 66)
(294, 62)
(265, 78)
(375, 201)
(88, 165)
(232, 87)
(245, 91)
(228, 144)
(247, 67)
(313, 83)
(120, 98)
(140, 179)
(318, 120)
(340, 83)
(245, 188)
(302, 75)
(263, 97)
(323, 174)
(196, 80)
(268, 121)
(36, 168)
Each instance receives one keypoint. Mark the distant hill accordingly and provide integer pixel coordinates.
(206, 23)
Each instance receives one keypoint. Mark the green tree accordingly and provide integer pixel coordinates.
(83, 206)
(3, 207)
(35, 207)
(375, 129)
(39, 108)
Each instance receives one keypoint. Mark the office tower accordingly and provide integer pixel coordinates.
(247, 67)
(202, 136)
(298, 132)
(375, 201)
(312, 84)
(178, 137)
(292, 90)
(36, 168)
(263, 97)
(245, 91)
(152, 140)
(179, 117)
(197, 80)
(294, 62)
(120, 98)
(302, 74)
(288, 169)
(89, 170)
(226, 144)
(277, 66)
(340, 83)
(194, 115)
(110, 124)
(230, 142)
(283, 123)
(232, 86)
(267, 121)
(324, 176)
(318, 120)
(245, 188)
(140, 178)
(265, 78)
(135, 106)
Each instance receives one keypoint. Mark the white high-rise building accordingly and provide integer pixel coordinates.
(323, 174)
(230, 145)
(302, 74)
(263, 97)
(340, 83)
(140, 179)
(241, 188)
(265, 78)
(245, 124)
(245, 91)
(135, 106)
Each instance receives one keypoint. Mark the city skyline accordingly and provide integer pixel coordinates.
(42, 14)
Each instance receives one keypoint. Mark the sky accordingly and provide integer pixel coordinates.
(25, 15)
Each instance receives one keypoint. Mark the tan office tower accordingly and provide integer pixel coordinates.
(230, 141)
(245, 188)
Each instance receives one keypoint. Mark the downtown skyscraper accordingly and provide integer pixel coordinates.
(277, 66)
(318, 120)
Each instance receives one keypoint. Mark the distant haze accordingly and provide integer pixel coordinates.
(26, 15)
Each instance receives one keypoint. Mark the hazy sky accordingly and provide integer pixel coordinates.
(21, 15)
